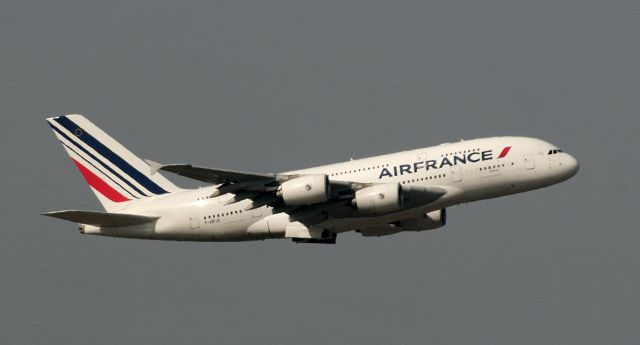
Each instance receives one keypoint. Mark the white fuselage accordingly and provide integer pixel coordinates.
(468, 170)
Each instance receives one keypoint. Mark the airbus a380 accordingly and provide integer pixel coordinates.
(376, 196)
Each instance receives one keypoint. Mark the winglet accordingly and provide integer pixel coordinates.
(153, 166)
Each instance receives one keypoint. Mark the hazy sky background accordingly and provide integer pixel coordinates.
(269, 86)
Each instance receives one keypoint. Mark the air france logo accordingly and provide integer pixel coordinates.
(450, 161)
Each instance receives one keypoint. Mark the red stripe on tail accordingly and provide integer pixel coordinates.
(98, 184)
(504, 152)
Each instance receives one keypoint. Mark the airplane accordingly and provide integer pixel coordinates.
(407, 191)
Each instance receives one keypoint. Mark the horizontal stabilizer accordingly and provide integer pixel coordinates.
(101, 219)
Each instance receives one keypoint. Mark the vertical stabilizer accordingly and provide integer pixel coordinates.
(115, 174)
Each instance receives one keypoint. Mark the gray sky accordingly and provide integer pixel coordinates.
(270, 86)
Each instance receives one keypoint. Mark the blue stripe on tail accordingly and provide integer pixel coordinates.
(97, 160)
(98, 169)
(110, 155)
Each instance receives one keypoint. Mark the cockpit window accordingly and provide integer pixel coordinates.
(554, 151)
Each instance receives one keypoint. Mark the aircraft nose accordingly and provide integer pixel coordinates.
(571, 165)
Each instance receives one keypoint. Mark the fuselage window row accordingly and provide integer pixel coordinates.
(222, 214)
(459, 152)
(358, 170)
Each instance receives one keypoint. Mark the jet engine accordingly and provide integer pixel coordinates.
(427, 221)
(305, 190)
(379, 199)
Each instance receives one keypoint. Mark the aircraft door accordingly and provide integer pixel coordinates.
(529, 162)
(194, 220)
(456, 173)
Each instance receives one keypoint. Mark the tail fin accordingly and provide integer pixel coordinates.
(116, 176)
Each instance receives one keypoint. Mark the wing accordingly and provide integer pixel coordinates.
(260, 189)
(209, 175)
(233, 181)
(240, 181)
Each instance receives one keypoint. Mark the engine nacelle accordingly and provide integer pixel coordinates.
(379, 199)
(428, 221)
(305, 190)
